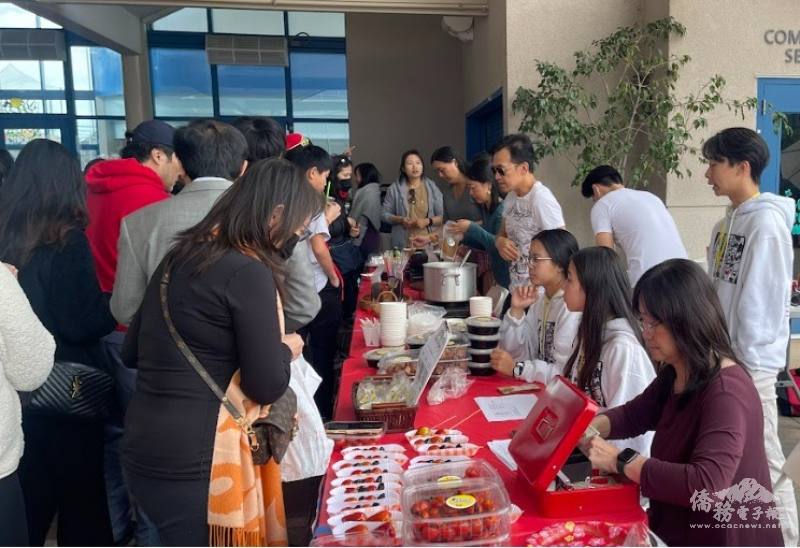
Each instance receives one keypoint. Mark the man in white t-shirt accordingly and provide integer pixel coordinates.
(636, 220)
(530, 207)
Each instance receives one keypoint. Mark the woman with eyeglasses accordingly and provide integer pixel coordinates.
(608, 361)
(413, 204)
(536, 346)
(706, 415)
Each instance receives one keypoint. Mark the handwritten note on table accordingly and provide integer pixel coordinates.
(506, 408)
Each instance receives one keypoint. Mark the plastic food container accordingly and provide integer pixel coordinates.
(374, 356)
(366, 480)
(454, 355)
(480, 355)
(455, 504)
(343, 440)
(379, 515)
(456, 325)
(484, 341)
(481, 369)
(356, 539)
(483, 325)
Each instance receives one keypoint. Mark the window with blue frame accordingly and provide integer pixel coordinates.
(78, 102)
(309, 95)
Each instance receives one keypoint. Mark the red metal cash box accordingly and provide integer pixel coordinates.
(544, 442)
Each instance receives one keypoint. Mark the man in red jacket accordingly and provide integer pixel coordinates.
(145, 174)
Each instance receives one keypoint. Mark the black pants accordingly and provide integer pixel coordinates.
(300, 498)
(61, 473)
(178, 508)
(13, 527)
(321, 343)
(351, 280)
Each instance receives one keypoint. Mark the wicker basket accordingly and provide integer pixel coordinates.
(397, 416)
(366, 303)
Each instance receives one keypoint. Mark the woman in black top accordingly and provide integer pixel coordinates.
(344, 252)
(42, 221)
(225, 277)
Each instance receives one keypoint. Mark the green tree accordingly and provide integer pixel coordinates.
(636, 121)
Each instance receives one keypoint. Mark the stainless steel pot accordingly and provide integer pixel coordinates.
(448, 282)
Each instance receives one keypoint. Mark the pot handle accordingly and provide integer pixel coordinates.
(456, 275)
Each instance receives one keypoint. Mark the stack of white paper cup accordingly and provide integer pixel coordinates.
(393, 324)
(480, 306)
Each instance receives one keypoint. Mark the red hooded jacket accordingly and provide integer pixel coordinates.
(116, 188)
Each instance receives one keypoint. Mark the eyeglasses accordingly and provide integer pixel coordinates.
(412, 196)
(500, 170)
(533, 259)
(648, 325)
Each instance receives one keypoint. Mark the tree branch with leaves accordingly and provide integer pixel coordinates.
(636, 122)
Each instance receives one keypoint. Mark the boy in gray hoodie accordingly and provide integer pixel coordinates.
(750, 262)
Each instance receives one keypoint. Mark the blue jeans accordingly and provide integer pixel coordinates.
(121, 508)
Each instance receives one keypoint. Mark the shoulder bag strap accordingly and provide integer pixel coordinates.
(189, 355)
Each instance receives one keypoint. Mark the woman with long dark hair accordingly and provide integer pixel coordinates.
(481, 235)
(42, 232)
(223, 298)
(608, 361)
(366, 209)
(343, 229)
(457, 201)
(706, 415)
(536, 345)
(413, 204)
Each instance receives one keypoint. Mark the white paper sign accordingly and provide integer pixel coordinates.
(506, 408)
(429, 356)
(500, 450)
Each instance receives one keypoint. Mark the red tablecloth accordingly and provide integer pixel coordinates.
(446, 415)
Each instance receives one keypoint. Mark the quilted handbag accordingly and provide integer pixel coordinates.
(73, 390)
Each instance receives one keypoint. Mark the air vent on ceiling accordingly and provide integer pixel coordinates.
(32, 44)
(227, 49)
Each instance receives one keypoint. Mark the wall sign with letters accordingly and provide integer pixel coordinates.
(790, 39)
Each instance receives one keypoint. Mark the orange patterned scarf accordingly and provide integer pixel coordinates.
(245, 501)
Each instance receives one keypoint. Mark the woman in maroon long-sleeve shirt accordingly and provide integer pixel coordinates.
(707, 477)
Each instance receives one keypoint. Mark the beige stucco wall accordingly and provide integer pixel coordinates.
(405, 88)
(553, 31)
(724, 37)
(484, 58)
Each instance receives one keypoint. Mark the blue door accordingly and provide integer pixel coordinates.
(782, 174)
(485, 125)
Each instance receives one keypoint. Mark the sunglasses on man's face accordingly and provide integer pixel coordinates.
(500, 170)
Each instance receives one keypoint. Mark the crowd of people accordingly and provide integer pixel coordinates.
(214, 265)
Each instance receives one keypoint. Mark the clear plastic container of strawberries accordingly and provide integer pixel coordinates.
(455, 504)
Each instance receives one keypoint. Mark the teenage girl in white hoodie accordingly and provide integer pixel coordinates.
(608, 361)
(537, 345)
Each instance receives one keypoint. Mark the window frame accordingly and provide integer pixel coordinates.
(296, 44)
(68, 121)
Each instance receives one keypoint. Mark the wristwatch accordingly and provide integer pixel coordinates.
(519, 367)
(625, 457)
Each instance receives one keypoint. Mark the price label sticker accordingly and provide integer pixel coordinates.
(461, 502)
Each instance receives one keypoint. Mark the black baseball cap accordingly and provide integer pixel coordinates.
(152, 131)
